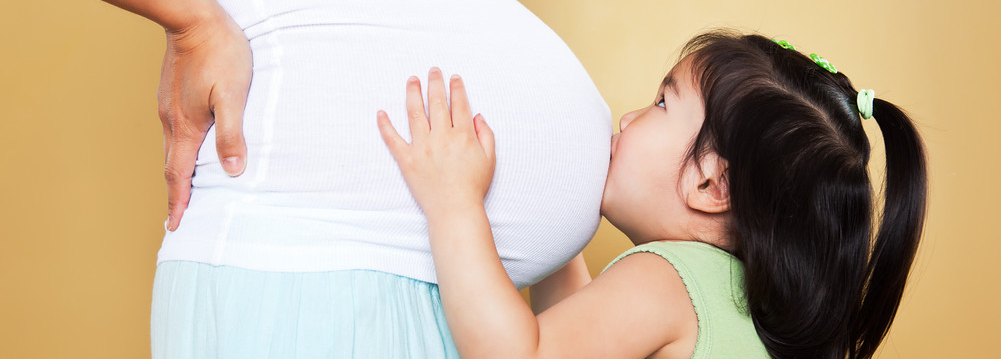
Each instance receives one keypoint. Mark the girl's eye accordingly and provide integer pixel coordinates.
(661, 103)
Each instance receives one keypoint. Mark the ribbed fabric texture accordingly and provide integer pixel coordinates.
(715, 282)
(321, 191)
(201, 311)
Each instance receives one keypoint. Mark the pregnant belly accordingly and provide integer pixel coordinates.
(321, 74)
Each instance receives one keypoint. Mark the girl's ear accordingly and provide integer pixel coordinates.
(708, 190)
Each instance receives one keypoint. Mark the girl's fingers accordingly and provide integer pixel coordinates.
(397, 145)
(462, 118)
(437, 103)
(419, 127)
(485, 135)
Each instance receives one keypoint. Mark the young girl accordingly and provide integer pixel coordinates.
(744, 186)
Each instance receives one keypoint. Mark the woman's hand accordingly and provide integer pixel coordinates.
(204, 80)
(450, 163)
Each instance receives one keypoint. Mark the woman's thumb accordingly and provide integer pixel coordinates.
(230, 144)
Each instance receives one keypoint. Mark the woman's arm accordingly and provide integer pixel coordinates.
(173, 15)
(632, 310)
(204, 82)
(559, 285)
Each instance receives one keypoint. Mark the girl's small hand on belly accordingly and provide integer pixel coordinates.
(450, 163)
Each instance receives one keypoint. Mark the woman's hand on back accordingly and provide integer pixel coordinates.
(449, 163)
(204, 80)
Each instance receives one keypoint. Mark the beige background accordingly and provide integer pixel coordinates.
(83, 199)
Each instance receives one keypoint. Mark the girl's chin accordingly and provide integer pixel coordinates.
(609, 214)
(605, 205)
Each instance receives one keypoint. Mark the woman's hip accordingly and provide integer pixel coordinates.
(205, 311)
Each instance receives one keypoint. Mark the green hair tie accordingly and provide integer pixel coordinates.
(864, 99)
(827, 65)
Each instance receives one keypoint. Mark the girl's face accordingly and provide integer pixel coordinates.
(644, 194)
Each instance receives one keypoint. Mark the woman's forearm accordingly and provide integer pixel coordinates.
(173, 15)
(487, 316)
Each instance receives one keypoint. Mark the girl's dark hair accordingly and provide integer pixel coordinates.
(819, 284)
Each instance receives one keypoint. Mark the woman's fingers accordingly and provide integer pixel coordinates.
(419, 127)
(167, 139)
(437, 102)
(180, 166)
(398, 147)
(180, 150)
(462, 118)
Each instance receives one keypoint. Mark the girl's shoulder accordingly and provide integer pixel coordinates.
(714, 280)
(692, 258)
(709, 273)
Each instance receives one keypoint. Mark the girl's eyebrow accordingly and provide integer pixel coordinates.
(670, 83)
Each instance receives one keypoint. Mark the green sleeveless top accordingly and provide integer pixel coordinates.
(714, 280)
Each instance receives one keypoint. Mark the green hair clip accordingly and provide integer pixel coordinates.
(784, 44)
(827, 65)
(864, 100)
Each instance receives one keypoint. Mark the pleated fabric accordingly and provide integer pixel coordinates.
(205, 311)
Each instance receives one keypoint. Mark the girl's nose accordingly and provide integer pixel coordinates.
(627, 118)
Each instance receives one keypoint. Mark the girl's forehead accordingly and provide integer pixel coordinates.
(680, 77)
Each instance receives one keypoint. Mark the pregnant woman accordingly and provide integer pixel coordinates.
(318, 249)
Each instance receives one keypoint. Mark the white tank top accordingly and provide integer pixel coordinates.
(321, 191)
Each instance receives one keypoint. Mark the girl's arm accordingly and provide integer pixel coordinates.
(559, 285)
(632, 310)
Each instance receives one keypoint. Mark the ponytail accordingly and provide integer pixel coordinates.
(897, 239)
(820, 280)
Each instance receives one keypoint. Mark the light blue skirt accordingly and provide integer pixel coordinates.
(204, 311)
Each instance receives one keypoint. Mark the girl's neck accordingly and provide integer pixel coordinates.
(719, 242)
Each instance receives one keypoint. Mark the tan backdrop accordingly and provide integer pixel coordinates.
(83, 199)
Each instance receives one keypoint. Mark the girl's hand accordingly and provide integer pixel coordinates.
(450, 162)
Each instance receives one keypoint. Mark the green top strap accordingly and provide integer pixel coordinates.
(715, 283)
